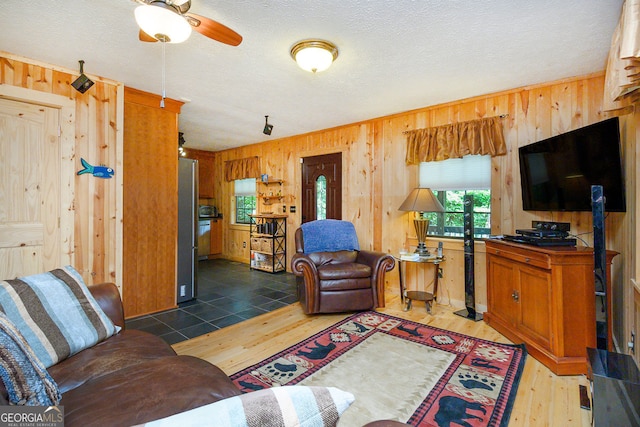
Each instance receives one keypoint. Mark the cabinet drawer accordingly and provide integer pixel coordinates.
(536, 259)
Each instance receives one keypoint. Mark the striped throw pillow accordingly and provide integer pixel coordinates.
(287, 406)
(56, 313)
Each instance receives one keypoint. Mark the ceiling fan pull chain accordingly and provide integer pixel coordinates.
(163, 74)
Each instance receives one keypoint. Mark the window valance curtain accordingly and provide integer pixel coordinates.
(482, 136)
(242, 168)
(622, 79)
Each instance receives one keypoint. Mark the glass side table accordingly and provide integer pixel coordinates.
(408, 296)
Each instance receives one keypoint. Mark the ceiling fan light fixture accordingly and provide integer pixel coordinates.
(160, 21)
(314, 55)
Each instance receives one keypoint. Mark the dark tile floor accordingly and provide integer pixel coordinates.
(228, 292)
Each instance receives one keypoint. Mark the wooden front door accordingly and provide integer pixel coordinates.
(322, 187)
(29, 189)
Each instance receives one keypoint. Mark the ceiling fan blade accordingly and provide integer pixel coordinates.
(214, 30)
(144, 37)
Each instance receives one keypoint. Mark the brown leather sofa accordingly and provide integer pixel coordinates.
(339, 281)
(132, 377)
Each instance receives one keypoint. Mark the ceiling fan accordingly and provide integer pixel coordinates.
(170, 21)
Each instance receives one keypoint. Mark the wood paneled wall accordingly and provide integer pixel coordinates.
(98, 134)
(376, 179)
(150, 203)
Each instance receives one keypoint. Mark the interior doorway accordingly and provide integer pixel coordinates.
(30, 177)
(322, 187)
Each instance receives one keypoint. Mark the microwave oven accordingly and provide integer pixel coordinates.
(207, 211)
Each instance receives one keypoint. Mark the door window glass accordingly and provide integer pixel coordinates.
(321, 197)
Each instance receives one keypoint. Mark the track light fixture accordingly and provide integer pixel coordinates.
(82, 83)
(267, 127)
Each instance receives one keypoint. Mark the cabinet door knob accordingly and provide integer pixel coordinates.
(515, 296)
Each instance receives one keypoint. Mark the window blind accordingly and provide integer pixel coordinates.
(245, 187)
(466, 173)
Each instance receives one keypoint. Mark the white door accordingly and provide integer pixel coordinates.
(29, 189)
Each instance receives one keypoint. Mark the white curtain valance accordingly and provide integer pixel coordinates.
(466, 173)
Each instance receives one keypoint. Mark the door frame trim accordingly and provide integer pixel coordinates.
(67, 123)
(298, 174)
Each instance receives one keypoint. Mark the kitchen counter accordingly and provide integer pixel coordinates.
(213, 218)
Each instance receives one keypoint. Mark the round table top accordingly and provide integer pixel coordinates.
(411, 257)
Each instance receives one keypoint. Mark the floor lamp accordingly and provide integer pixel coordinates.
(421, 200)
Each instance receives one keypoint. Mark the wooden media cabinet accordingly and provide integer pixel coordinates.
(545, 297)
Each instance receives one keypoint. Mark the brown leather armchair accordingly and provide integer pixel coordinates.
(338, 280)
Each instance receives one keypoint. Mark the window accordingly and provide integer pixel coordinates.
(451, 222)
(450, 181)
(245, 200)
(321, 197)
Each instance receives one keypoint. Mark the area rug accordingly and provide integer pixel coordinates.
(402, 370)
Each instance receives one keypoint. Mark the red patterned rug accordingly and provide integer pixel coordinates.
(402, 370)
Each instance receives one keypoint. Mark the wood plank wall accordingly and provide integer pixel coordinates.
(96, 202)
(376, 179)
(150, 203)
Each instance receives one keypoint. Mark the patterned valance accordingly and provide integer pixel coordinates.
(455, 140)
(242, 168)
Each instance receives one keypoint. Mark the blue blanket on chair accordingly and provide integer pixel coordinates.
(329, 235)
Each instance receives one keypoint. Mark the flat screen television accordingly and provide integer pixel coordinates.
(557, 173)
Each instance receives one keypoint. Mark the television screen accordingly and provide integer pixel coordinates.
(557, 173)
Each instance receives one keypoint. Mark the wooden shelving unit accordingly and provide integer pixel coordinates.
(268, 196)
(268, 240)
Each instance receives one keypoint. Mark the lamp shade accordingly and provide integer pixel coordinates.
(314, 55)
(421, 200)
(162, 23)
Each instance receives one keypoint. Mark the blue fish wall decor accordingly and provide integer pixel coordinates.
(97, 171)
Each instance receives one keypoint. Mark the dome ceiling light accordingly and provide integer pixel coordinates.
(314, 55)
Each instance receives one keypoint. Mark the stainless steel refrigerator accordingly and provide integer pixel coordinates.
(187, 288)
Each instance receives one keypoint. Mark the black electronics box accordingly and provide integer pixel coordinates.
(543, 234)
(537, 241)
(553, 226)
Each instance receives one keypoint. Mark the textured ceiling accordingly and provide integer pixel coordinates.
(394, 55)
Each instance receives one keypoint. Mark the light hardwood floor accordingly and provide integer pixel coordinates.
(543, 398)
